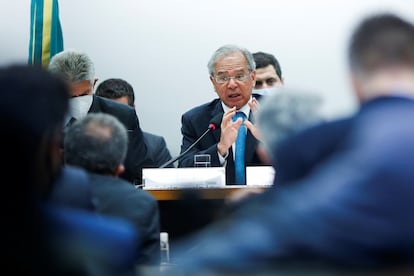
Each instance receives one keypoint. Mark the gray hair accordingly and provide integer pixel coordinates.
(285, 113)
(97, 143)
(73, 66)
(227, 50)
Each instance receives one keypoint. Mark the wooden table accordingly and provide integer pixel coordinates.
(183, 211)
(204, 193)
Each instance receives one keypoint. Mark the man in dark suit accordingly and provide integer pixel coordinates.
(78, 70)
(350, 207)
(232, 73)
(121, 91)
(98, 143)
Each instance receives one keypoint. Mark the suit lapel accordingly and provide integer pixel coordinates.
(251, 143)
(250, 149)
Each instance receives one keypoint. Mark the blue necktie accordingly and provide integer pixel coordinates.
(239, 153)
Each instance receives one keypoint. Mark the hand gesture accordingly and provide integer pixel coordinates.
(229, 131)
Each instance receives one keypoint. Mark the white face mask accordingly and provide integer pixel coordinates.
(267, 91)
(79, 106)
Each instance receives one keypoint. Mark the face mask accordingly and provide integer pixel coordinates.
(79, 106)
(267, 91)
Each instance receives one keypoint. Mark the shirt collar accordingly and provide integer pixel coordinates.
(245, 109)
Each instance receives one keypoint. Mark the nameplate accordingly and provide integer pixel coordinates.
(260, 175)
(182, 178)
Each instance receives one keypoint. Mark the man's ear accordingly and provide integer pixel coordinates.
(212, 81)
(214, 84)
(253, 73)
(94, 82)
(357, 87)
(119, 170)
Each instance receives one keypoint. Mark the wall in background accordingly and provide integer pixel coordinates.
(162, 47)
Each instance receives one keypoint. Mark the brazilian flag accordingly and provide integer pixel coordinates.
(45, 32)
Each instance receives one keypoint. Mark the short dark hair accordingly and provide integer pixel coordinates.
(116, 88)
(381, 40)
(98, 143)
(264, 59)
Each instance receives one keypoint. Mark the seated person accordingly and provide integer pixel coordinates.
(98, 143)
(268, 74)
(77, 69)
(232, 73)
(121, 91)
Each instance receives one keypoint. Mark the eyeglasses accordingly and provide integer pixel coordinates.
(225, 79)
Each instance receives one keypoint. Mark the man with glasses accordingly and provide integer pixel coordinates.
(232, 73)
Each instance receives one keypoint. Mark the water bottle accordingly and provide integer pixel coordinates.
(165, 248)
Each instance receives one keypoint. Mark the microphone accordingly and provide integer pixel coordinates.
(212, 126)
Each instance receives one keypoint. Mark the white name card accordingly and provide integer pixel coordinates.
(260, 175)
(180, 178)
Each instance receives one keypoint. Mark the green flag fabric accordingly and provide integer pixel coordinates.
(46, 37)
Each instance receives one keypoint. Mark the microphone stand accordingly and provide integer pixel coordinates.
(187, 150)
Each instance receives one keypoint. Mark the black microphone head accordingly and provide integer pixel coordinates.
(215, 121)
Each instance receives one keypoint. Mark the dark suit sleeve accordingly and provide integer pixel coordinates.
(157, 149)
(163, 154)
(191, 131)
(136, 157)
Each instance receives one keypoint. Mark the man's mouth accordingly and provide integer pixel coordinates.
(235, 95)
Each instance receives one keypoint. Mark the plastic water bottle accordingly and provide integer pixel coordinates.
(165, 248)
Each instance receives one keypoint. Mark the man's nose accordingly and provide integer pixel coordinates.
(232, 83)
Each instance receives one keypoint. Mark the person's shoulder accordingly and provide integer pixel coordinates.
(119, 186)
(154, 142)
(124, 113)
(110, 105)
(321, 134)
(72, 188)
(203, 108)
(73, 174)
(338, 125)
(93, 236)
(116, 182)
(151, 136)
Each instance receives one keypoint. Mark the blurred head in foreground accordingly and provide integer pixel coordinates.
(284, 114)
